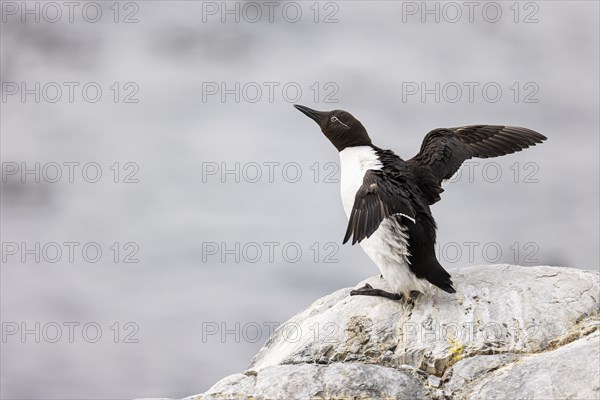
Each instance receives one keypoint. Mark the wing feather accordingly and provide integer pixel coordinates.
(379, 197)
(445, 149)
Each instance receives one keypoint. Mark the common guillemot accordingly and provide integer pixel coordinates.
(387, 199)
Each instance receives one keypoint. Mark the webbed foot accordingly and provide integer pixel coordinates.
(368, 290)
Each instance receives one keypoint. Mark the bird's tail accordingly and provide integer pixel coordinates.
(437, 275)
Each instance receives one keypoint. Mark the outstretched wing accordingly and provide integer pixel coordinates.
(379, 197)
(445, 149)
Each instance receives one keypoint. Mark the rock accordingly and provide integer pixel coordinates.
(508, 332)
(570, 372)
(434, 381)
(472, 368)
(309, 381)
(497, 309)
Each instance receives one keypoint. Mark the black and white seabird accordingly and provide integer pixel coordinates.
(387, 199)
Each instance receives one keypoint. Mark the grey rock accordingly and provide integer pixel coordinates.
(570, 372)
(312, 381)
(508, 332)
(434, 381)
(471, 368)
(497, 309)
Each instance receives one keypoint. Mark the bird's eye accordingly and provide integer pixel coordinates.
(335, 119)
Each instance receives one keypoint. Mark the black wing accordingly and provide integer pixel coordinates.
(445, 149)
(379, 197)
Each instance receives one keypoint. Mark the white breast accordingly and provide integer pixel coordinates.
(354, 163)
(387, 247)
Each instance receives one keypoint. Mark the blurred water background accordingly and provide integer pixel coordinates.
(196, 318)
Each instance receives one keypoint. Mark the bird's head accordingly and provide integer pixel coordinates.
(340, 127)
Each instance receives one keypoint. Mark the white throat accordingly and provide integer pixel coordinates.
(354, 163)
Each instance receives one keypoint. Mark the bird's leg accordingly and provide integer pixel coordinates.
(414, 294)
(368, 290)
(412, 297)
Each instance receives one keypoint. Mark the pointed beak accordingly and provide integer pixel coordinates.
(315, 115)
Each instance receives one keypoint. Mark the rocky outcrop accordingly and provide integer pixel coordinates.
(508, 332)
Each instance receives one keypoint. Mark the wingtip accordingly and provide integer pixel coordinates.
(346, 238)
(449, 289)
(535, 136)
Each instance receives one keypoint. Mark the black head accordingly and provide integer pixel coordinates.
(340, 127)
